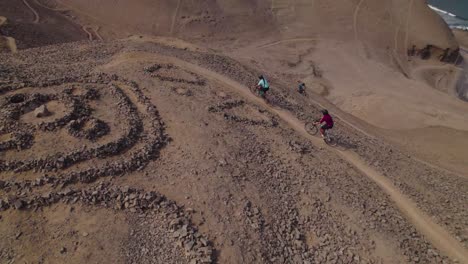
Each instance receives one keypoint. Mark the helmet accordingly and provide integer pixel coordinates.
(324, 111)
(260, 77)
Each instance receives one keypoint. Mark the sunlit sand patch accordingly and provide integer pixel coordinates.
(7, 43)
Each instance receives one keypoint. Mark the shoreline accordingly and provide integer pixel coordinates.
(447, 13)
(452, 20)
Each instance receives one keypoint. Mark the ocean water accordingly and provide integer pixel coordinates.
(454, 12)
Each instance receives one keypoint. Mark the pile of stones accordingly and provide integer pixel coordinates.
(153, 138)
(97, 128)
(155, 69)
(231, 104)
(197, 248)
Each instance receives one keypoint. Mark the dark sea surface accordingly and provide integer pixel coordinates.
(454, 12)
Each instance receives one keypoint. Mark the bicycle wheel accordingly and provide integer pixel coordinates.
(255, 91)
(331, 140)
(311, 128)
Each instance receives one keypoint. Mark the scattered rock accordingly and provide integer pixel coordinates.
(19, 204)
(63, 250)
(41, 111)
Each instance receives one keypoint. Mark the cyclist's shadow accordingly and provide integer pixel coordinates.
(345, 145)
(342, 141)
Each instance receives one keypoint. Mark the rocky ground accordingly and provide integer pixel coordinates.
(192, 170)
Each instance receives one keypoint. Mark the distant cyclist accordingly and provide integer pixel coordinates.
(327, 120)
(301, 87)
(263, 85)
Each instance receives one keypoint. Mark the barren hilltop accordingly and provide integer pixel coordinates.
(129, 132)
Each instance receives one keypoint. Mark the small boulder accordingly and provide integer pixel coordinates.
(19, 204)
(41, 111)
(222, 95)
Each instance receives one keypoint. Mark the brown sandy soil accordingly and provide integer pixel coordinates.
(32, 25)
(156, 151)
(462, 37)
(331, 69)
(72, 234)
(7, 44)
(247, 175)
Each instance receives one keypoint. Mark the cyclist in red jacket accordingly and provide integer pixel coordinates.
(327, 119)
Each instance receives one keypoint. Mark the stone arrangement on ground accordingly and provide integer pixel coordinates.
(172, 141)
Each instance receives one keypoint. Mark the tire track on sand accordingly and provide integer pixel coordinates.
(38, 2)
(36, 14)
(96, 32)
(356, 13)
(90, 35)
(285, 41)
(174, 17)
(408, 17)
(437, 235)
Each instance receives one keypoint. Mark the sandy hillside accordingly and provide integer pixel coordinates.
(7, 44)
(462, 37)
(119, 146)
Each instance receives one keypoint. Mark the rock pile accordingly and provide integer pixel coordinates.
(41, 111)
(96, 128)
(20, 140)
(154, 71)
(231, 104)
(197, 248)
(150, 132)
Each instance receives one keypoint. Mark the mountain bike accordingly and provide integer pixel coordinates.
(314, 127)
(259, 93)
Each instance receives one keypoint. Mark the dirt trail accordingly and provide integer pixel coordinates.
(355, 16)
(90, 35)
(89, 31)
(174, 17)
(36, 14)
(285, 41)
(94, 19)
(438, 236)
(96, 32)
(407, 27)
(38, 2)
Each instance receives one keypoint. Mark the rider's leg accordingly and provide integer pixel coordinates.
(323, 129)
(264, 91)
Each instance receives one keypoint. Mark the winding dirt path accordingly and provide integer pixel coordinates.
(95, 19)
(90, 35)
(174, 17)
(285, 41)
(36, 14)
(96, 33)
(38, 2)
(408, 17)
(395, 38)
(355, 16)
(86, 29)
(395, 56)
(437, 235)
